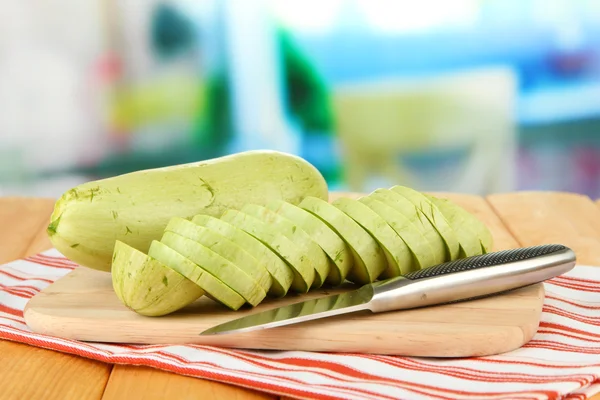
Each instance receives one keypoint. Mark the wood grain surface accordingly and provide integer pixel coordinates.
(33, 373)
(545, 217)
(514, 219)
(132, 382)
(83, 306)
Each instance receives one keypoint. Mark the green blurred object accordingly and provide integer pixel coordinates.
(306, 98)
(166, 98)
(202, 104)
(214, 127)
(171, 32)
(307, 94)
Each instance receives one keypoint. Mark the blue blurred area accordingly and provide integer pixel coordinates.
(475, 96)
(553, 47)
(551, 54)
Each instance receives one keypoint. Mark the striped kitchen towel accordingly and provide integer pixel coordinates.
(561, 361)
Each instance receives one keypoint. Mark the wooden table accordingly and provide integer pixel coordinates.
(516, 219)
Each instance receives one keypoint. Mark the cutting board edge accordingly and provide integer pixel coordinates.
(499, 346)
(63, 327)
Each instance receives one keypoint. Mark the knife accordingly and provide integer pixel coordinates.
(464, 279)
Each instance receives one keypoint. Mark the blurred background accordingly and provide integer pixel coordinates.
(476, 96)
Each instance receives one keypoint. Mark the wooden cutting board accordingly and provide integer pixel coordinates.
(82, 305)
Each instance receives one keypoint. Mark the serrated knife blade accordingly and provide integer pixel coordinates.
(464, 279)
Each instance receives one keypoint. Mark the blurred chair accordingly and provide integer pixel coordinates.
(380, 124)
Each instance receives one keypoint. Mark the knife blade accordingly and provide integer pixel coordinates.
(460, 280)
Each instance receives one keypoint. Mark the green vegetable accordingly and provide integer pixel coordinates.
(423, 255)
(216, 265)
(260, 239)
(135, 208)
(470, 244)
(435, 217)
(397, 254)
(417, 217)
(297, 235)
(213, 287)
(224, 247)
(340, 258)
(369, 260)
(470, 225)
(282, 276)
(292, 253)
(148, 287)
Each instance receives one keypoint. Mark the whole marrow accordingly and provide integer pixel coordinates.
(134, 208)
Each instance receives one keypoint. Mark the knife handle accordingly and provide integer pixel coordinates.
(472, 277)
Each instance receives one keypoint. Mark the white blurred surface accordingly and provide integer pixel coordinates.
(48, 115)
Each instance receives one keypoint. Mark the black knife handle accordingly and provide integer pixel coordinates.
(487, 260)
(472, 277)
